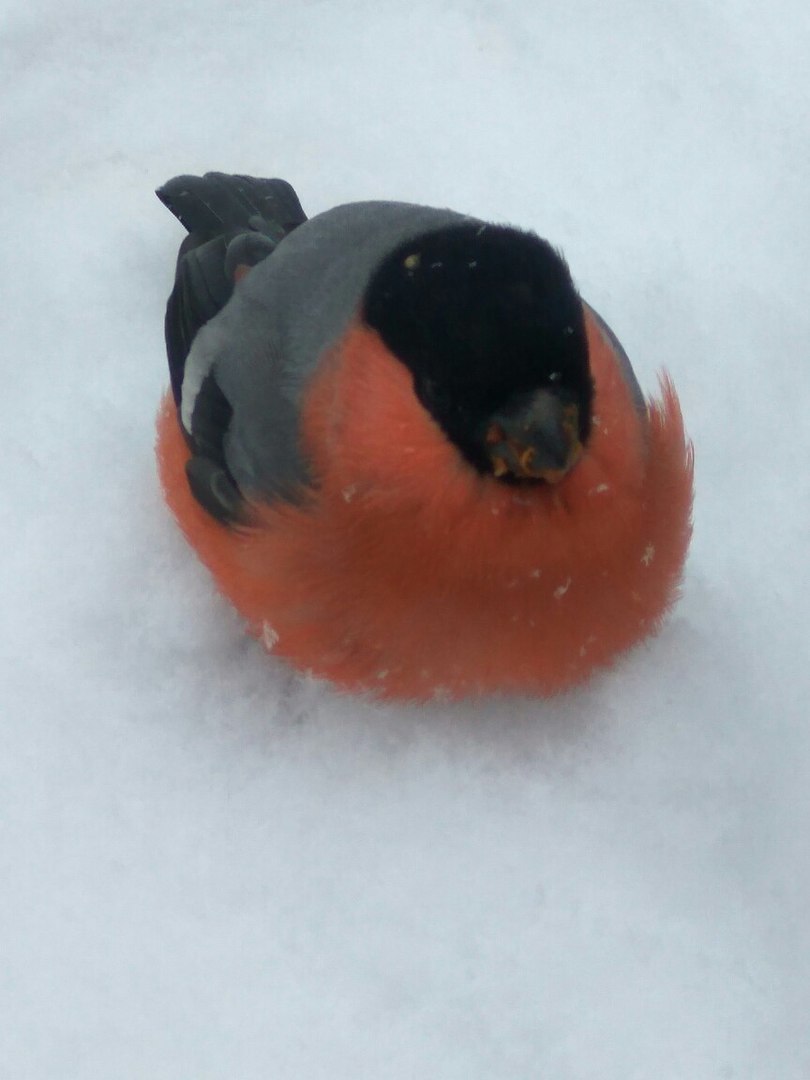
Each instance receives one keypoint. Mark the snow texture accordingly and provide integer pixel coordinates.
(214, 868)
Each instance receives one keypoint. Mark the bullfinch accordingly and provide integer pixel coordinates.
(415, 460)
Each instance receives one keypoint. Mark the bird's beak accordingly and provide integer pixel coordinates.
(537, 439)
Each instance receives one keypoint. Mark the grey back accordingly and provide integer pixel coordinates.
(265, 344)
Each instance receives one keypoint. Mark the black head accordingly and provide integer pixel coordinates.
(489, 323)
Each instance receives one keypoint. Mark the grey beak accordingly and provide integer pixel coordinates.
(534, 437)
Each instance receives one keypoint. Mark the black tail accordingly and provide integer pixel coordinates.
(231, 220)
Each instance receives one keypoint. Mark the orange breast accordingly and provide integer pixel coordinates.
(409, 575)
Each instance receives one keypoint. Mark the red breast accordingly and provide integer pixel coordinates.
(408, 574)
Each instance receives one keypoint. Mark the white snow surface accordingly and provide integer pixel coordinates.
(214, 868)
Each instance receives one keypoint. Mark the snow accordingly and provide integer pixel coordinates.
(214, 868)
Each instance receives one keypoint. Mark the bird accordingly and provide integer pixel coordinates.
(414, 459)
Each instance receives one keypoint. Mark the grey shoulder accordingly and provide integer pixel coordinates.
(626, 367)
